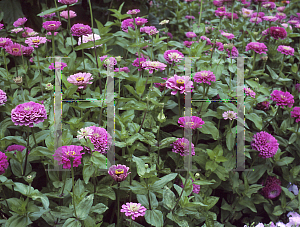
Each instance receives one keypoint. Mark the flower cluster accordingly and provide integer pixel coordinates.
(3, 162)
(150, 30)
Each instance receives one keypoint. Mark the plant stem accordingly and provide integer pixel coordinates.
(33, 137)
(26, 155)
(69, 27)
(271, 119)
(40, 72)
(254, 58)
(187, 174)
(144, 115)
(158, 145)
(148, 194)
(4, 59)
(53, 47)
(118, 204)
(1, 187)
(82, 50)
(178, 96)
(62, 192)
(72, 170)
(200, 13)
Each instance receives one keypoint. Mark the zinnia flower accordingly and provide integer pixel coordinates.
(280, 16)
(190, 34)
(27, 51)
(85, 133)
(188, 43)
(296, 113)
(192, 122)
(127, 23)
(287, 50)
(64, 14)
(29, 32)
(150, 30)
(247, 12)
(196, 188)
(255, 20)
(228, 35)
(282, 98)
(80, 79)
(161, 86)
(270, 18)
(3, 162)
(48, 15)
(234, 52)
(208, 42)
(101, 139)
(153, 65)
(67, 2)
(51, 25)
(179, 83)
(5, 42)
(65, 154)
(35, 41)
(272, 188)
(133, 11)
(80, 29)
(16, 147)
(276, 32)
(249, 92)
(88, 38)
(280, 9)
(229, 115)
(62, 65)
(269, 5)
(118, 172)
(1, 26)
(181, 146)
(20, 22)
(124, 69)
(265, 143)
(14, 49)
(257, 47)
(172, 56)
(133, 209)
(16, 30)
(28, 113)
(3, 98)
(228, 15)
(204, 77)
(139, 63)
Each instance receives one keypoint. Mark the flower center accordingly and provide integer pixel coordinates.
(286, 48)
(52, 25)
(2, 41)
(191, 123)
(28, 108)
(180, 81)
(204, 74)
(119, 171)
(71, 153)
(183, 144)
(36, 41)
(133, 207)
(16, 49)
(247, 12)
(80, 78)
(96, 134)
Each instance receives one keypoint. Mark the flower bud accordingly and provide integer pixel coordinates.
(255, 33)
(161, 117)
(118, 58)
(164, 22)
(49, 87)
(246, 71)
(18, 80)
(256, 79)
(228, 46)
(146, 166)
(264, 58)
(197, 175)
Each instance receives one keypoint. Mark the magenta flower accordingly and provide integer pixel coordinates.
(179, 83)
(229, 115)
(263, 105)
(196, 188)
(220, 13)
(257, 47)
(118, 172)
(124, 69)
(35, 41)
(67, 2)
(14, 49)
(220, 46)
(51, 25)
(190, 34)
(265, 143)
(139, 63)
(28, 113)
(270, 18)
(247, 12)
(127, 23)
(1, 26)
(280, 9)
(16, 30)
(133, 209)
(133, 11)
(49, 33)
(234, 52)
(169, 34)
(249, 92)
(272, 188)
(161, 86)
(20, 22)
(65, 154)
(192, 122)
(80, 29)
(27, 51)
(255, 20)
(80, 79)
(188, 43)
(172, 56)
(153, 65)
(181, 146)
(228, 35)
(3, 162)
(64, 14)
(140, 21)
(277, 32)
(280, 16)
(287, 50)
(228, 15)
(101, 139)
(296, 113)
(150, 30)
(293, 22)
(189, 17)
(282, 98)
(3, 98)
(62, 65)
(269, 5)
(5, 42)
(204, 77)
(260, 14)
(48, 15)
(208, 42)
(16, 147)
(218, 2)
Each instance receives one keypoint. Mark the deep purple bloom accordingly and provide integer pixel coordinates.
(296, 113)
(15, 147)
(257, 47)
(118, 172)
(65, 154)
(276, 32)
(181, 146)
(265, 143)
(192, 122)
(80, 29)
(282, 98)
(272, 188)
(3, 97)
(234, 52)
(3, 162)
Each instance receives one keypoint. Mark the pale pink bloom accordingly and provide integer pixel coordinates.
(35, 41)
(80, 79)
(64, 14)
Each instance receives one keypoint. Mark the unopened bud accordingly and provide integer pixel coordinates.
(255, 33)
(49, 87)
(106, 61)
(18, 80)
(161, 117)
(256, 79)
(197, 175)
(118, 58)
(228, 46)
(264, 58)
(246, 71)
(29, 178)
(146, 166)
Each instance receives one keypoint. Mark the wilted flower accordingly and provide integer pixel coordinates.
(80, 29)
(18, 80)
(80, 79)
(265, 143)
(282, 98)
(181, 146)
(263, 105)
(133, 209)
(118, 172)
(229, 115)
(51, 25)
(65, 14)
(192, 122)
(20, 22)
(65, 154)
(287, 50)
(179, 83)
(3, 162)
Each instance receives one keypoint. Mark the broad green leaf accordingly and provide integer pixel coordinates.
(72, 222)
(140, 164)
(169, 198)
(87, 172)
(162, 182)
(285, 161)
(100, 208)
(53, 10)
(255, 119)
(83, 208)
(209, 128)
(154, 218)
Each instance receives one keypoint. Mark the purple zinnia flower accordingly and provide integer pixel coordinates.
(208, 42)
(28, 113)
(150, 30)
(14, 49)
(260, 14)
(196, 188)
(255, 20)
(234, 52)
(3, 97)
(139, 63)
(296, 113)
(16, 147)
(270, 18)
(192, 122)
(67, 2)
(282, 98)
(227, 35)
(80, 79)
(35, 41)
(287, 50)
(5, 42)
(101, 139)
(280, 16)
(65, 14)
(179, 83)
(124, 69)
(64, 155)
(153, 65)
(51, 25)
(247, 12)
(133, 11)
(140, 21)
(249, 92)
(190, 34)
(269, 5)
(62, 65)
(118, 172)
(188, 43)
(20, 22)
(229, 115)
(259, 48)
(263, 105)
(80, 29)
(161, 86)
(280, 9)
(277, 32)
(228, 15)
(272, 188)
(27, 51)
(3, 162)
(181, 146)
(127, 23)
(265, 143)
(173, 56)
(220, 46)
(133, 209)
(204, 77)
(189, 17)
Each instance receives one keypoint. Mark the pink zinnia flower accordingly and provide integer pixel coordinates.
(277, 32)
(265, 143)
(48, 15)
(247, 12)
(227, 35)
(257, 47)
(190, 35)
(64, 14)
(88, 38)
(188, 43)
(14, 49)
(29, 32)
(67, 2)
(118, 172)
(220, 46)
(133, 11)
(229, 115)
(20, 22)
(172, 56)
(269, 5)
(270, 18)
(101, 139)
(3, 97)
(255, 20)
(282, 98)
(287, 50)
(62, 65)
(127, 23)
(35, 41)
(260, 14)
(296, 113)
(293, 22)
(208, 42)
(150, 30)
(5, 42)
(234, 52)
(64, 155)
(220, 13)
(181, 146)
(280, 9)
(28, 114)
(124, 69)
(153, 65)
(228, 15)
(179, 83)
(80, 79)
(204, 77)
(133, 209)
(161, 86)
(280, 16)
(192, 122)
(3, 162)
(139, 63)
(285, 25)
(80, 29)
(27, 51)
(249, 92)
(140, 21)
(218, 2)
(51, 25)
(16, 147)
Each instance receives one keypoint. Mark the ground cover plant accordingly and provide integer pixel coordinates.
(145, 45)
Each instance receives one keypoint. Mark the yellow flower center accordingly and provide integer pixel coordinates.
(15, 49)
(204, 74)
(191, 123)
(80, 78)
(119, 171)
(52, 25)
(3, 41)
(71, 153)
(133, 207)
(247, 12)
(36, 41)
(183, 144)
(81, 27)
(180, 81)
(286, 48)
(28, 108)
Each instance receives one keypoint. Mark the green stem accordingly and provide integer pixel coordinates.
(271, 119)
(200, 13)
(148, 194)
(62, 192)
(178, 94)
(144, 115)
(158, 153)
(4, 59)
(281, 66)
(152, 43)
(26, 155)
(83, 58)
(33, 137)
(187, 174)
(229, 70)
(232, 18)
(254, 58)
(69, 27)
(118, 204)
(72, 170)
(53, 47)
(41, 73)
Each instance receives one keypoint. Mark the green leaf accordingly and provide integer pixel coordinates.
(140, 86)
(293, 138)
(154, 218)
(166, 142)
(83, 208)
(285, 161)
(210, 201)
(247, 202)
(16, 140)
(143, 199)
(294, 68)
(209, 128)
(89, 222)
(278, 211)
(169, 198)
(72, 222)
(140, 164)
(255, 119)
(87, 172)
(18, 221)
(100, 208)
(162, 182)
(273, 74)
(204, 182)
(254, 176)
(99, 160)
(53, 10)
(106, 191)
